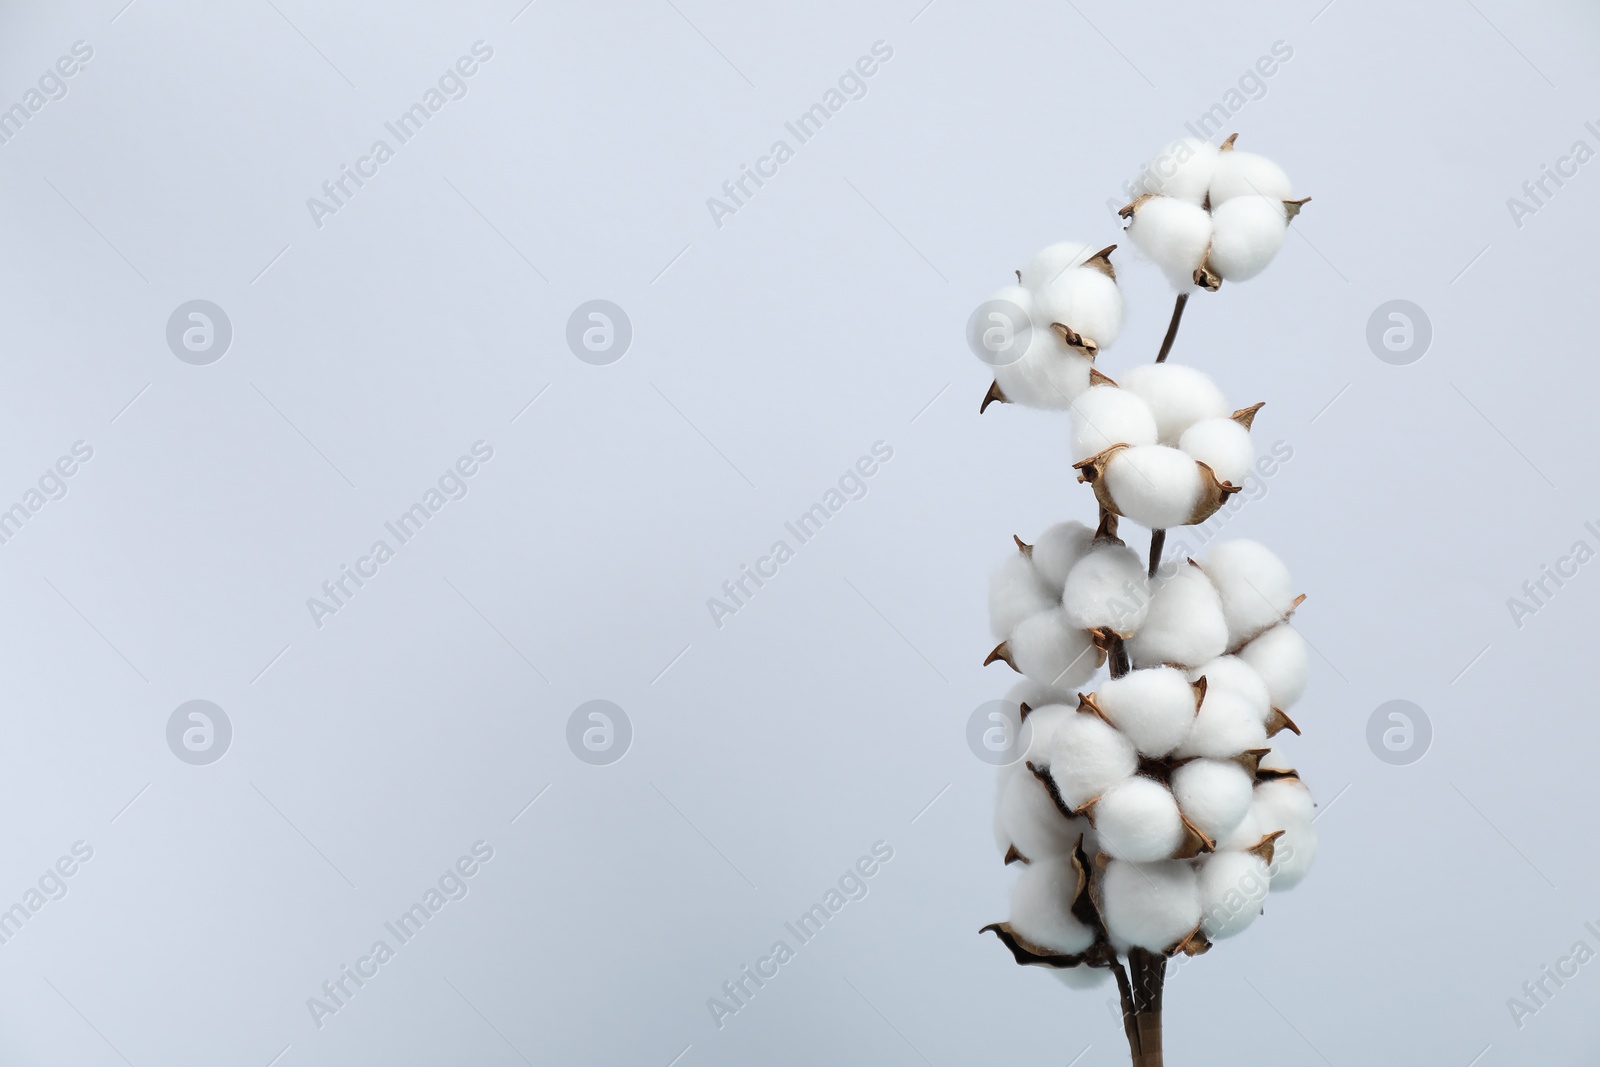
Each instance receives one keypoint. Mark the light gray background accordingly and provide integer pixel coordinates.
(768, 355)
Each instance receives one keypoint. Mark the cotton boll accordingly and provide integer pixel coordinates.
(1043, 724)
(1052, 262)
(1049, 374)
(1298, 847)
(1059, 548)
(1181, 170)
(1154, 708)
(1030, 820)
(1085, 300)
(1138, 820)
(1254, 584)
(1248, 231)
(1016, 592)
(1221, 444)
(1031, 693)
(1017, 295)
(1232, 887)
(1213, 794)
(1285, 804)
(1232, 676)
(1155, 486)
(1174, 234)
(1107, 587)
(1081, 977)
(1279, 656)
(1178, 396)
(1184, 625)
(1088, 758)
(1151, 905)
(1225, 726)
(1053, 652)
(1041, 908)
(1247, 834)
(1247, 174)
(1106, 415)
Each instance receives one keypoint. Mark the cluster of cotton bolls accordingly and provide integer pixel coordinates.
(1150, 813)
(1071, 309)
(1211, 214)
(1160, 446)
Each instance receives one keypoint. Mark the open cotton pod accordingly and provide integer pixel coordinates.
(1089, 757)
(1232, 887)
(1247, 233)
(1058, 549)
(1153, 906)
(1213, 794)
(1232, 676)
(1016, 592)
(1041, 907)
(1106, 415)
(1181, 170)
(1154, 708)
(1085, 301)
(1173, 233)
(1043, 724)
(1285, 804)
(1138, 820)
(1254, 585)
(1222, 444)
(1184, 627)
(1178, 397)
(1155, 486)
(1052, 261)
(1279, 657)
(1049, 375)
(1049, 650)
(1107, 588)
(1238, 174)
(1225, 726)
(1030, 820)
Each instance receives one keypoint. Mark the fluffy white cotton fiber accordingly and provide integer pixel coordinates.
(1155, 486)
(1279, 657)
(1107, 587)
(1214, 794)
(1105, 415)
(1247, 233)
(1247, 174)
(1285, 804)
(1137, 820)
(1181, 170)
(1151, 905)
(1232, 887)
(1232, 676)
(1029, 692)
(1255, 587)
(1049, 374)
(1081, 977)
(1053, 261)
(1225, 726)
(1051, 651)
(1174, 234)
(1184, 626)
(1042, 725)
(1017, 295)
(1016, 591)
(1221, 444)
(1058, 549)
(1178, 396)
(1030, 820)
(1083, 299)
(1088, 758)
(1041, 907)
(1154, 708)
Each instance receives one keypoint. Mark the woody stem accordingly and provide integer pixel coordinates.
(1172, 328)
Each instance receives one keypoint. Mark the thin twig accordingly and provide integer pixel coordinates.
(1172, 327)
